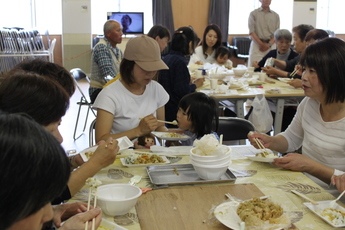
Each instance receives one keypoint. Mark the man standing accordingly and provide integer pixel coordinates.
(106, 58)
(262, 23)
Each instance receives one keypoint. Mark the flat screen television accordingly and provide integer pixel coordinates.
(132, 22)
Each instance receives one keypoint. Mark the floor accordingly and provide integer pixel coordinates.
(68, 122)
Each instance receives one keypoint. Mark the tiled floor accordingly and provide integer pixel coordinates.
(68, 122)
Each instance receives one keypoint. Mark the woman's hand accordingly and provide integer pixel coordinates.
(263, 138)
(148, 124)
(294, 161)
(77, 222)
(269, 70)
(198, 82)
(106, 153)
(297, 83)
(64, 211)
(339, 181)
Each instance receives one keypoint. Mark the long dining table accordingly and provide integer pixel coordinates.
(239, 96)
(191, 205)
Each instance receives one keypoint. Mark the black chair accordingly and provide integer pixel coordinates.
(92, 133)
(234, 128)
(241, 46)
(79, 75)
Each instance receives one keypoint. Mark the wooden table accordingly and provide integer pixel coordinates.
(180, 207)
(238, 97)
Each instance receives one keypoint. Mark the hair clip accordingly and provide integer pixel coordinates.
(179, 32)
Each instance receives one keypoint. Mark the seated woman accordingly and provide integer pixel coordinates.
(177, 80)
(46, 102)
(131, 106)
(283, 52)
(211, 40)
(319, 123)
(34, 170)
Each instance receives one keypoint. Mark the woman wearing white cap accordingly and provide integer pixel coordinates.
(131, 106)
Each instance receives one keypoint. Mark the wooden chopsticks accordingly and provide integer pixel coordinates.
(264, 151)
(93, 183)
(304, 197)
(293, 73)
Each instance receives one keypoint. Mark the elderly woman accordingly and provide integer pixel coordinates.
(211, 40)
(283, 52)
(319, 124)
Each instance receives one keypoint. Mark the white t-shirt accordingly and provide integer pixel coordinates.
(127, 107)
(322, 141)
(199, 56)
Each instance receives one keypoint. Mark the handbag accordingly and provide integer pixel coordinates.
(261, 116)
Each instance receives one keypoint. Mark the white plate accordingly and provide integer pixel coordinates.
(144, 165)
(322, 205)
(283, 79)
(261, 159)
(161, 135)
(108, 225)
(226, 214)
(124, 143)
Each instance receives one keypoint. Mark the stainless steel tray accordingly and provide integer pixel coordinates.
(181, 174)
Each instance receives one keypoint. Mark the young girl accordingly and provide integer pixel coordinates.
(197, 115)
(222, 57)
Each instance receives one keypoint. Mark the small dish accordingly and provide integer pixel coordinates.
(123, 142)
(123, 161)
(285, 80)
(317, 209)
(169, 136)
(262, 159)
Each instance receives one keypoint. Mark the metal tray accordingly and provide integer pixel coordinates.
(181, 174)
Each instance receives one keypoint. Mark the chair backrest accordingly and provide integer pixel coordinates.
(92, 133)
(243, 45)
(234, 128)
(78, 74)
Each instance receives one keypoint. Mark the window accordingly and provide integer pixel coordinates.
(329, 15)
(240, 10)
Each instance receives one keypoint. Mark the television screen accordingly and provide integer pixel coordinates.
(132, 22)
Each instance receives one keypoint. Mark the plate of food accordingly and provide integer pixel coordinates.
(232, 214)
(264, 156)
(140, 160)
(333, 216)
(284, 79)
(171, 136)
(123, 142)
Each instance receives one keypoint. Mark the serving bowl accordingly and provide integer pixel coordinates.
(210, 172)
(117, 199)
(211, 157)
(219, 160)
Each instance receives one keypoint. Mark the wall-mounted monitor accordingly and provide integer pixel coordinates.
(132, 22)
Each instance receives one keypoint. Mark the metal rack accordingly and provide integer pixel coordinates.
(17, 44)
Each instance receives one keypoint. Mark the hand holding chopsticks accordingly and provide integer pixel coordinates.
(93, 183)
(264, 151)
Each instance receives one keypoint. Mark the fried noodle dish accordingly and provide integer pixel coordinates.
(257, 212)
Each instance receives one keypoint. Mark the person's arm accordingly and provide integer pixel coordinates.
(279, 63)
(277, 143)
(301, 163)
(104, 155)
(274, 71)
(104, 122)
(77, 222)
(339, 181)
(104, 60)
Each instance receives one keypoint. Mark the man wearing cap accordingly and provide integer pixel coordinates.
(106, 58)
(131, 105)
(262, 23)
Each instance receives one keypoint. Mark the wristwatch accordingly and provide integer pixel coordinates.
(270, 44)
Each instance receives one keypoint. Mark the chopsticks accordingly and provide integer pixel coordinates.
(294, 72)
(168, 122)
(305, 197)
(93, 183)
(264, 151)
